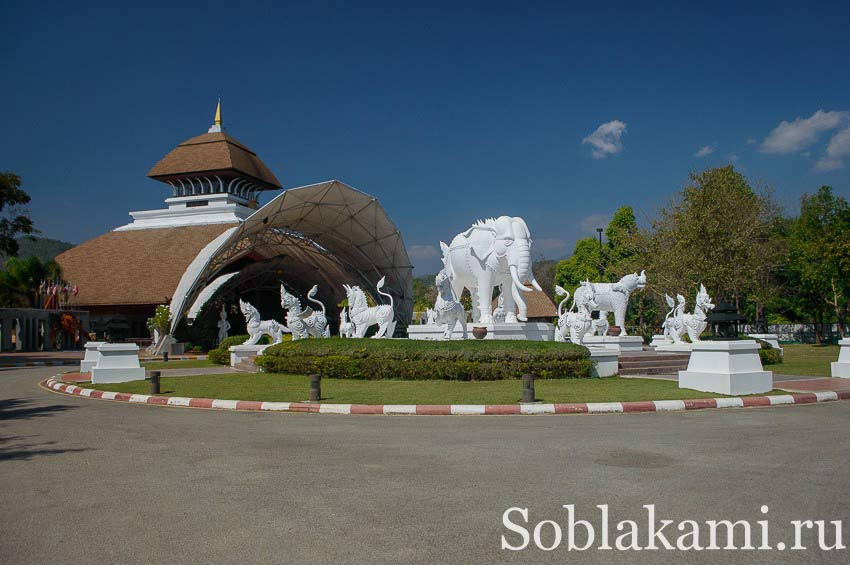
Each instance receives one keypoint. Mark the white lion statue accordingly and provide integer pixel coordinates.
(694, 324)
(448, 310)
(304, 322)
(363, 316)
(577, 322)
(614, 297)
(257, 327)
(346, 328)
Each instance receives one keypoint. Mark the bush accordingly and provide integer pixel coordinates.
(768, 355)
(427, 360)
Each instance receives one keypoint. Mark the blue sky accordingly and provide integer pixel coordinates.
(445, 111)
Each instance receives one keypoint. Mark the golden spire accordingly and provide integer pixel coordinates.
(218, 113)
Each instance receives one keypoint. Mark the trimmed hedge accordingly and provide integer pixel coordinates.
(467, 360)
(768, 355)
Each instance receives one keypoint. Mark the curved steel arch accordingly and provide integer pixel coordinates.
(329, 231)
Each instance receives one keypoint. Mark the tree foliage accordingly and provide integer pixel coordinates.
(20, 280)
(717, 231)
(14, 220)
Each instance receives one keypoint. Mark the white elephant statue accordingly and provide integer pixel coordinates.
(492, 252)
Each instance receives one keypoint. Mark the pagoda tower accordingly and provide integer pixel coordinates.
(213, 178)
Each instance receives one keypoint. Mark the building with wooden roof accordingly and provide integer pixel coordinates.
(213, 244)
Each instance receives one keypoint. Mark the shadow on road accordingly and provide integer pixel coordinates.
(19, 408)
(20, 448)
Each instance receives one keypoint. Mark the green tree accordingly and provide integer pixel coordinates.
(717, 231)
(820, 253)
(14, 220)
(586, 262)
(20, 280)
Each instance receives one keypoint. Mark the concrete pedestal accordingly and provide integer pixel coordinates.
(674, 348)
(529, 331)
(606, 361)
(118, 363)
(772, 339)
(624, 342)
(658, 339)
(841, 368)
(242, 356)
(91, 357)
(726, 367)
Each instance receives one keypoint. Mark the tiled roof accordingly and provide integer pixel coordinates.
(135, 266)
(539, 305)
(212, 153)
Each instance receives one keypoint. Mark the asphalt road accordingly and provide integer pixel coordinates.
(85, 481)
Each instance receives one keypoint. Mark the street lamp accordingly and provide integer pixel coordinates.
(599, 233)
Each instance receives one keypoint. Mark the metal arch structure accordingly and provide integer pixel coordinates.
(327, 234)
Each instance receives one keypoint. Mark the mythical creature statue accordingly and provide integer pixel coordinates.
(492, 252)
(223, 324)
(694, 324)
(431, 317)
(614, 297)
(257, 327)
(599, 326)
(363, 316)
(578, 322)
(673, 317)
(304, 322)
(346, 328)
(448, 310)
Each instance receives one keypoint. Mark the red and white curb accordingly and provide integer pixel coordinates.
(453, 409)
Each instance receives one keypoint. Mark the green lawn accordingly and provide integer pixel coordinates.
(806, 360)
(179, 364)
(293, 388)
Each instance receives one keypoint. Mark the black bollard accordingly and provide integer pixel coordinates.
(527, 388)
(154, 379)
(165, 356)
(315, 388)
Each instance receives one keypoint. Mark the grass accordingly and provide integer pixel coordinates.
(179, 364)
(294, 388)
(806, 360)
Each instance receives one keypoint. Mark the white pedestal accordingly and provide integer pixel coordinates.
(241, 353)
(658, 339)
(91, 357)
(726, 367)
(433, 332)
(606, 361)
(772, 339)
(841, 368)
(529, 331)
(674, 348)
(624, 342)
(118, 363)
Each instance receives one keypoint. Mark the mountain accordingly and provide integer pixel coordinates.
(43, 247)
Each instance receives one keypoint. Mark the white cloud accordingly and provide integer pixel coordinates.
(606, 140)
(839, 145)
(705, 150)
(825, 164)
(791, 137)
(423, 252)
(734, 157)
(751, 141)
(838, 148)
(590, 223)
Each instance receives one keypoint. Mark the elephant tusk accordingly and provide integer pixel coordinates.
(515, 278)
(536, 284)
